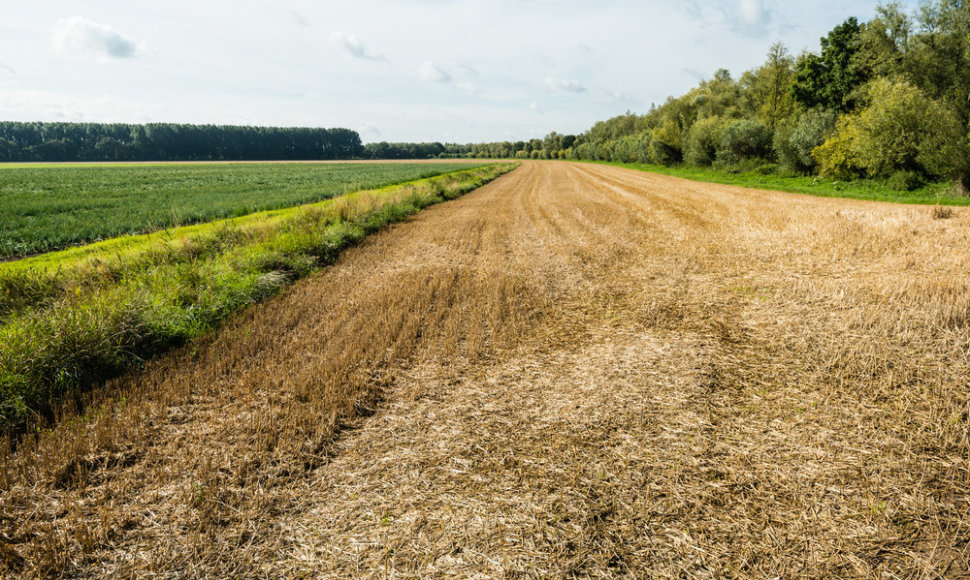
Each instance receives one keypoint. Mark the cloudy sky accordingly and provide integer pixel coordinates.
(397, 70)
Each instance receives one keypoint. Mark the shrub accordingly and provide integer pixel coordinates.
(899, 129)
(743, 139)
(766, 169)
(795, 140)
(703, 140)
(905, 181)
(643, 148)
(666, 146)
(836, 157)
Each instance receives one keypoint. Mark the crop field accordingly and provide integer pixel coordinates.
(73, 318)
(44, 208)
(575, 371)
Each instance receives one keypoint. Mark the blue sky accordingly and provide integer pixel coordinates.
(403, 70)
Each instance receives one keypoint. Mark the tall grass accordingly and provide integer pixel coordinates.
(70, 322)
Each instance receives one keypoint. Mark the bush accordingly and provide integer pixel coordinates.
(666, 146)
(743, 139)
(795, 140)
(899, 129)
(905, 181)
(703, 140)
(643, 148)
(836, 157)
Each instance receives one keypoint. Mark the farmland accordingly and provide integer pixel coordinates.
(574, 371)
(49, 208)
(72, 319)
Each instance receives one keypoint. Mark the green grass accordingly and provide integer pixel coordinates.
(866, 189)
(71, 320)
(45, 208)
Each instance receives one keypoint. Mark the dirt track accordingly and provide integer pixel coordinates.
(576, 371)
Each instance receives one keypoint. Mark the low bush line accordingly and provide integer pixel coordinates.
(70, 321)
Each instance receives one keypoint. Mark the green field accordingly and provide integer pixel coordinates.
(53, 207)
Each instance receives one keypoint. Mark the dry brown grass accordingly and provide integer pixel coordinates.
(577, 371)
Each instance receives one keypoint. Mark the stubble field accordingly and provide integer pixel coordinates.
(576, 371)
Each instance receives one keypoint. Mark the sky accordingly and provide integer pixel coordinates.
(403, 70)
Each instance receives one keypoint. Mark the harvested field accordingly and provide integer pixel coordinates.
(577, 371)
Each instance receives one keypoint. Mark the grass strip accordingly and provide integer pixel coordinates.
(93, 314)
(864, 189)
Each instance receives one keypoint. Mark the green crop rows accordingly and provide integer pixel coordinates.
(49, 208)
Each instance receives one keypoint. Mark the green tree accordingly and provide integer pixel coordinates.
(743, 139)
(797, 137)
(703, 141)
(884, 42)
(766, 90)
(899, 129)
(829, 78)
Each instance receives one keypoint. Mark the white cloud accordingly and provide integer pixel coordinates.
(469, 71)
(429, 71)
(34, 105)
(5, 67)
(369, 132)
(564, 85)
(297, 17)
(79, 36)
(354, 47)
(752, 18)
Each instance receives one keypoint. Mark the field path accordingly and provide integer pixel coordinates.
(577, 371)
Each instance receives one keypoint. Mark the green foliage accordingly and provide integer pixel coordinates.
(900, 128)
(47, 208)
(795, 139)
(665, 143)
(836, 157)
(703, 141)
(829, 78)
(765, 91)
(385, 150)
(905, 181)
(884, 41)
(938, 58)
(743, 139)
(720, 97)
(171, 142)
(643, 148)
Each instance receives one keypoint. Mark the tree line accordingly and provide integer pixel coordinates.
(888, 98)
(172, 142)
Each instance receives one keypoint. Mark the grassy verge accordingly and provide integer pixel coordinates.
(867, 189)
(71, 320)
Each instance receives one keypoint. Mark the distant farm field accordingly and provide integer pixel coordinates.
(44, 208)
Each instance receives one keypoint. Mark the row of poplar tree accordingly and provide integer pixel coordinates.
(171, 142)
